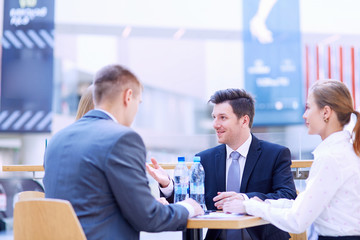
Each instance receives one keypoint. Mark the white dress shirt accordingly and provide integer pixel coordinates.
(107, 113)
(331, 199)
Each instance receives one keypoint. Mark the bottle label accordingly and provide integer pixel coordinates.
(184, 188)
(192, 188)
(177, 189)
(201, 189)
(2, 202)
(181, 192)
(197, 188)
(177, 179)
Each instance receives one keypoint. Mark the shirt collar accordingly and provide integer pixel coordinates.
(107, 113)
(331, 139)
(243, 149)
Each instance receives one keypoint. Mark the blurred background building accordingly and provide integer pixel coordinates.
(183, 51)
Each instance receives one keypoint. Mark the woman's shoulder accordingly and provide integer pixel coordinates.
(340, 155)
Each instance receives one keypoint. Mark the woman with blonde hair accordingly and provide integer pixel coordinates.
(331, 199)
(86, 103)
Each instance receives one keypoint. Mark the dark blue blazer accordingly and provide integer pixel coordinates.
(99, 166)
(267, 174)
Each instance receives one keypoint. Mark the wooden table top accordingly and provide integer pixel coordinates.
(23, 168)
(294, 164)
(233, 222)
(40, 168)
(301, 163)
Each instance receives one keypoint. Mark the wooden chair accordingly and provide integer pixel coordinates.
(300, 236)
(27, 195)
(46, 219)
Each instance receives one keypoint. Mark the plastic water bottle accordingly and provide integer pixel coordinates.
(197, 178)
(181, 178)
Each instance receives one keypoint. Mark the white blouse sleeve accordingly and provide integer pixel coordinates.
(322, 185)
(280, 203)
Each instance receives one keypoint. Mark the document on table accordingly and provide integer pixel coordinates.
(220, 215)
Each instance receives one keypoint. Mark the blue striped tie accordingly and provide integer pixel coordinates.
(233, 184)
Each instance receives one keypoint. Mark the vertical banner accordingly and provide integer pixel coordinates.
(27, 66)
(272, 60)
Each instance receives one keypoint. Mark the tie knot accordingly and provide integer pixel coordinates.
(235, 155)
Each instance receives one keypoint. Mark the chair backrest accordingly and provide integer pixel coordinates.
(13, 186)
(300, 236)
(46, 219)
(27, 195)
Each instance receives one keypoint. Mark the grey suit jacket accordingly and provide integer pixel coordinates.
(99, 166)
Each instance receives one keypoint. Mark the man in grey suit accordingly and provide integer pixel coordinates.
(98, 164)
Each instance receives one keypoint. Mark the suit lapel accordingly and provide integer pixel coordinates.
(251, 160)
(220, 164)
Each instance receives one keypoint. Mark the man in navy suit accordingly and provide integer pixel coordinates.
(262, 168)
(98, 164)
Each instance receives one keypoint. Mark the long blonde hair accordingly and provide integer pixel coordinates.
(337, 96)
(86, 102)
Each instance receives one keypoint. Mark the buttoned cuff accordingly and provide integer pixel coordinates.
(167, 191)
(188, 207)
(254, 207)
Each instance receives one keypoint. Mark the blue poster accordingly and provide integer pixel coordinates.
(272, 60)
(27, 66)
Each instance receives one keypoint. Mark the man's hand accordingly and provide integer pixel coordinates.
(223, 197)
(158, 173)
(197, 208)
(234, 206)
(257, 199)
(163, 201)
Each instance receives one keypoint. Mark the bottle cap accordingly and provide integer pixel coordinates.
(196, 159)
(181, 159)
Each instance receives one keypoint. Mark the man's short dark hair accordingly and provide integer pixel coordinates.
(112, 78)
(241, 102)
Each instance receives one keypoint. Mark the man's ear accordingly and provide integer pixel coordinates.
(245, 120)
(128, 94)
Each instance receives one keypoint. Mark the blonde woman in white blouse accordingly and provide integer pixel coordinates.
(331, 199)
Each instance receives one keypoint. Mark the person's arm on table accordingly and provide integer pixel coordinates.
(127, 178)
(224, 197)
(296, 215)
(283, 184)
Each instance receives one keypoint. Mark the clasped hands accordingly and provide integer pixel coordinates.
(232, 202)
